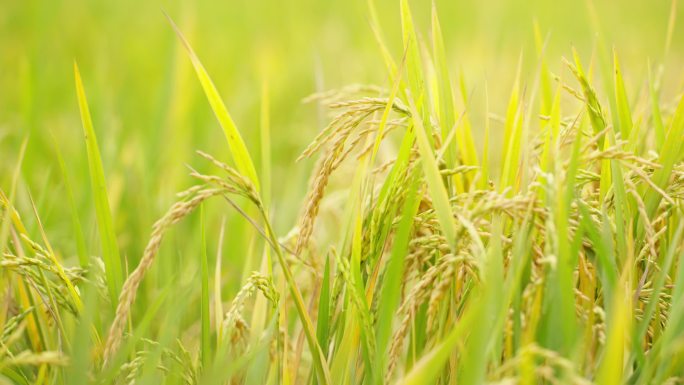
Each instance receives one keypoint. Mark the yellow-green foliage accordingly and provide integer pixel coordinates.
(527, 228)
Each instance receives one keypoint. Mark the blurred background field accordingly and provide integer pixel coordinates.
(150, 113)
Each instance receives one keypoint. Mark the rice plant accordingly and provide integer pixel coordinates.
(441, 239)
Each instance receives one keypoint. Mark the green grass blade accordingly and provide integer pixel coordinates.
(624, 114)
(428, 368)
(605, 183)
(512, 136)
(218, 303)
(484, 170)
(105, 224)
(414, 67)
(489, 312)
(436, 188)
(238, 149)
(611, 367)
(323, 319)
(390, 292)
(561, 326)
(205, 341)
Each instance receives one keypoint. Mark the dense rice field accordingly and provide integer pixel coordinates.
(341, 192)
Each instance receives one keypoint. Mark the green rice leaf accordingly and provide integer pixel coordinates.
(624, 113)
(391, 285)
(205, 341)
(110, 249)
(238, 149)
(436, 188)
